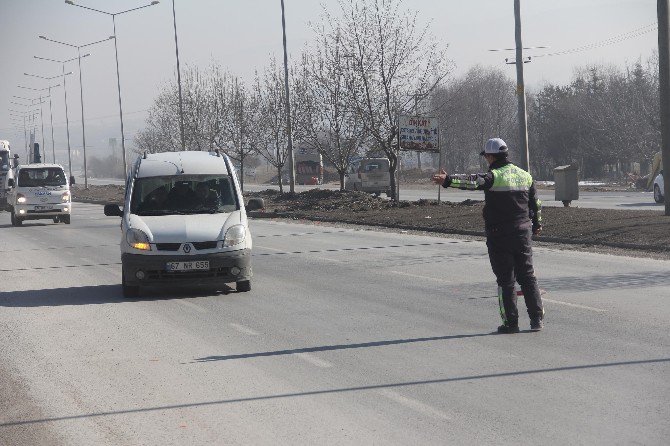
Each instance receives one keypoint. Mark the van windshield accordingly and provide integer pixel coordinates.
(184, 194)
(41, 177)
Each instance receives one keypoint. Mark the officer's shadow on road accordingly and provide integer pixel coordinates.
(94, 295)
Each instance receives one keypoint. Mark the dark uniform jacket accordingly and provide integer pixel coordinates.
(511, 202)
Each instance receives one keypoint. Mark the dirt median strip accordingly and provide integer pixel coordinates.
(645, 231)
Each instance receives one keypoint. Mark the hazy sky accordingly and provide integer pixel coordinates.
(241, 35)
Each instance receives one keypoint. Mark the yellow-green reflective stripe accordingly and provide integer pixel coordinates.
(511, 178)
(464, 183)
(501, 305)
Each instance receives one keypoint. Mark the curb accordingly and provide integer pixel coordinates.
(482, 234)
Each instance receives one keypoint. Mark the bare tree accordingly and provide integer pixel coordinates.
(332, 124)
(391, 59)
(271, 118)
(236, 120)
(477, 106)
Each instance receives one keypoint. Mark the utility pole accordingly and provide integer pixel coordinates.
(291, 160)
(664, 89)
(521, 90)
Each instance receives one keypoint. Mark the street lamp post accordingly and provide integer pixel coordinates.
(81, 93)
(118, 77)
(67, 119)
(181, 107)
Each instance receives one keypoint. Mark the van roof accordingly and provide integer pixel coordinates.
(182, 163)
(39, 166)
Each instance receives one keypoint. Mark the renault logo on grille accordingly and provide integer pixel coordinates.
(187, 248)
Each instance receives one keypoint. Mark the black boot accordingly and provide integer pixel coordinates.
(508, 329)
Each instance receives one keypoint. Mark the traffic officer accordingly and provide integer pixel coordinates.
(512, 213)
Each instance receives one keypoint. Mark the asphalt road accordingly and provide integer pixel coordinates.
(347, 337)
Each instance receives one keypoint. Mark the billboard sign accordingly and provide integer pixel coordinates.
(419, 133)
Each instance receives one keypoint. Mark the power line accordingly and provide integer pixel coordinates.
(607, 42)
(94, 117)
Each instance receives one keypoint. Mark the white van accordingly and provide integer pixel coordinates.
(39, 191)
(184, 223)
(369, 175)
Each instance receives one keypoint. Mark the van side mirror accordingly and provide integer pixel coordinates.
(16, 160)
(10, 182)
(113, 210)
(255, 204)
(71, 179)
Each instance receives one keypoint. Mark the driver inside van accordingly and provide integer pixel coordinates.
(206, 197)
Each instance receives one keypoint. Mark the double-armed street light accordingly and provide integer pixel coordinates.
(67, 120)
(116, 51)
(81, 91)
(51, 113)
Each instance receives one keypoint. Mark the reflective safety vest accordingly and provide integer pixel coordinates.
(510, 178)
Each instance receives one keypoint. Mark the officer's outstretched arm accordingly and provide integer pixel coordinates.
(474, 181)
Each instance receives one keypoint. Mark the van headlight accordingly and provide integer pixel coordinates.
(234, 236)
(66, 197)
(20, 198)
(138, 239)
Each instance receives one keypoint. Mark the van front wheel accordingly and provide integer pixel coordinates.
(243, 286)
(658, 196)
(16, 221)
(129, 291)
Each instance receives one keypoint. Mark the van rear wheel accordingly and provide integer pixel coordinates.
(243, 286)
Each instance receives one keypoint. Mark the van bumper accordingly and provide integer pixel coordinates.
(38, 212)
(222, 266)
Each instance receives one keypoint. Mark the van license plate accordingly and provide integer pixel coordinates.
(187, 266)
(43, 208)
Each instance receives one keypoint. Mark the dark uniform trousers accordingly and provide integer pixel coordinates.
(511, 258)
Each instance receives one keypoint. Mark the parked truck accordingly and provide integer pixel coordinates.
(308, 167)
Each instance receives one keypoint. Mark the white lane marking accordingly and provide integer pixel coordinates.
(189, 304)
(413, 404)
(313, 256)
(271, 249)
(583, 307)
(418, 276)
(245, 330)
(314, 360)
